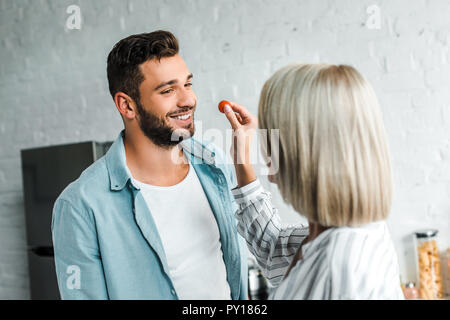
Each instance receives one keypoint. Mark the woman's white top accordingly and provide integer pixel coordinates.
(340, 263)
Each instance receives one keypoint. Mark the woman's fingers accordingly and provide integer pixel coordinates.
(247, 119)
(243, 112)
(231, 116)
(238, 116)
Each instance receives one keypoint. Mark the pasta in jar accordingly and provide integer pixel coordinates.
(428, 265)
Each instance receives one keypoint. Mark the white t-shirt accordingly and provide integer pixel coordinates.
(190, 237)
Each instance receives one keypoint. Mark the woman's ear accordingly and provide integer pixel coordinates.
(271, 177)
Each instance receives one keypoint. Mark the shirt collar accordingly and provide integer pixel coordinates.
(118, 171)
(314, 244)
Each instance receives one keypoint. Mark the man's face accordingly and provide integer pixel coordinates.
(166, 110)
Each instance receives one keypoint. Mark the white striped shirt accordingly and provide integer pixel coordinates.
(340, 263)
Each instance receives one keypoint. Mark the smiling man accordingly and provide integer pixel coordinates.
(153, 218)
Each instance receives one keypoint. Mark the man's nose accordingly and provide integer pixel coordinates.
(187, 98)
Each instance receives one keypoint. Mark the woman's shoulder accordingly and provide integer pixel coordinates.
(362, 259)
(346, 243)
(374, 231)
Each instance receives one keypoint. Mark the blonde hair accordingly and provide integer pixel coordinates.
(333, 162)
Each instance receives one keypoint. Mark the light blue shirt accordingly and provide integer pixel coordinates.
(106, 242)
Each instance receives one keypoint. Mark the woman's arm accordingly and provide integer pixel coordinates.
(273, 245)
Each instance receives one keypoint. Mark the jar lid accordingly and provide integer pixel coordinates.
(426, 233)
(410, 284)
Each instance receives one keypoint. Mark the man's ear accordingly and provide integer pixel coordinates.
(125, 105)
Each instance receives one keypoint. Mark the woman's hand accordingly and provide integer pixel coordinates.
(244, 126)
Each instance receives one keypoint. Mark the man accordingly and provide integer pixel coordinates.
(154, 217)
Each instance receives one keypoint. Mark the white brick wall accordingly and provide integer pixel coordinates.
(53, 86)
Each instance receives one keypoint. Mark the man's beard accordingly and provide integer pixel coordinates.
(159, 132)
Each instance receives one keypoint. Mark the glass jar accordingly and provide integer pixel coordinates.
(448, 272)
(428, 265)
(410, 291)
(448, 262)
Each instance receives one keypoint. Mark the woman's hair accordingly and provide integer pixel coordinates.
(333, 162)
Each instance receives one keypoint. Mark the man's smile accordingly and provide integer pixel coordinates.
(182, 119)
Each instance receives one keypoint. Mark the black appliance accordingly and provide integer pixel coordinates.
(46, 172)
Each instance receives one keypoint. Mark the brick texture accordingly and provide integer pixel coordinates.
(53, 87)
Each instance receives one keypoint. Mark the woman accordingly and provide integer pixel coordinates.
(334, 169)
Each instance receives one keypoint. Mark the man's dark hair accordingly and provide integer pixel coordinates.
(124, 59)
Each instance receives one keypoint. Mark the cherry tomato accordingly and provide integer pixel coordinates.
(222, 105)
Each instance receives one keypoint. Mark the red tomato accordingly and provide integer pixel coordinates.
(222, 105)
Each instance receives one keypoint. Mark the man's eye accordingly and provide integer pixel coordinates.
(167, 91)
(189, 84)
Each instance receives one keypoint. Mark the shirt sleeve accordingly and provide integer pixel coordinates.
(273, 245)
(78, 264)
